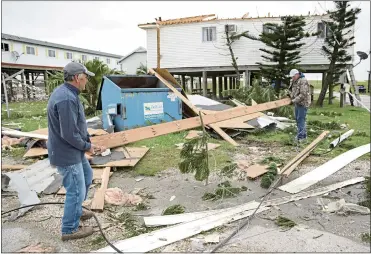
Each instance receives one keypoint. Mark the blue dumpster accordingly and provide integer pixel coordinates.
(130, 101)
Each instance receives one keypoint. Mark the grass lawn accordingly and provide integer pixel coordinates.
(356, 118)
(318, 85)
(163, 153)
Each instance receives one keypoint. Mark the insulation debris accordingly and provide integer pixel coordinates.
(116, 196)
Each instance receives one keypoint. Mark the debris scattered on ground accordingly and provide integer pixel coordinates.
(224, 190)
(335, 206)
(174, 209)
(193, 134)
(116, 196)
(172, 198)
(141, 207)
(37, 248)
(253, 171)
(366, 237)
(285, 222)
(213, 238)
(139, 179)
(210, 146)
(269, 177)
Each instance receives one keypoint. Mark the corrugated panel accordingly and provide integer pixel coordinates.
(38, 175)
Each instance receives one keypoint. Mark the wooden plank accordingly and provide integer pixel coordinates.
(133, 135)
(35, 152)
(241, 119)
(12, 167)
(159, 238)
(97, 203)
(20, 134)
(163, 220)
(92, 132)
(195, 110)
(137, 153)
(287, 169)
(325, 170)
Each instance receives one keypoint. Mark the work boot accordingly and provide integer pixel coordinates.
(86, 214)
(80, 233)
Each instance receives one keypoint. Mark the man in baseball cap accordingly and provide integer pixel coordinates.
(68, 140)
(301, 98)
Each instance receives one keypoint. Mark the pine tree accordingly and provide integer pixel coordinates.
(283, 43)
(338, 40)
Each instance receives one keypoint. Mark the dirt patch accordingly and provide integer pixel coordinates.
(170, 187)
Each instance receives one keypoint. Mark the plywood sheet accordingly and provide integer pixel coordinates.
(255, 170)
(36, 152)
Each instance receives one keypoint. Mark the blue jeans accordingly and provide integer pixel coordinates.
(300, 117)
(77, 179)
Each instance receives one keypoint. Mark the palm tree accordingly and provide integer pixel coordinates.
(89, 97)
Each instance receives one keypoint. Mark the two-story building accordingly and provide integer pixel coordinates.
(37, 58)
(196, 47)
(132, 61)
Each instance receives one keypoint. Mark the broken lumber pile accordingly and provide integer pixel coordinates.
(125, 137)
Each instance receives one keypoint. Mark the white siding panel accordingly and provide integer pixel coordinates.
(182, 45)
(42, 59)
(131, 63)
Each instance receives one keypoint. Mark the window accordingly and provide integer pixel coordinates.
(117, 62)
(84, 58)
(30, 50)
(231, 28)
(324, 30)
(209, 33)
(51, 53)
(68, 55)
(108, 61)
(267, 29)
(96, 58)
(4, 47)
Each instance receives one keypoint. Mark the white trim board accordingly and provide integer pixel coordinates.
(162, 237)
(164, 220)
(20, 134)
(325, 170)
(341, 138)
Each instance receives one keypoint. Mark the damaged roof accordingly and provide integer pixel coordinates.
(204, 18)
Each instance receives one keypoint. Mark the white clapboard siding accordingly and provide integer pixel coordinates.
(181, 44)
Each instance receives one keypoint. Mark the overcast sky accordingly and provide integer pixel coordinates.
(113, 26)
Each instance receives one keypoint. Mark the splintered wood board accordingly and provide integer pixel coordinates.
(135, 152)
(133, 135)
(195, 109)
(325, 170)
(97, 203)
(97, 178)
(92, 132)
(239, 121)
(35, 152)
(291, 165)
(13, 167)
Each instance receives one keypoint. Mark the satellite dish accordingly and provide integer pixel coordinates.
(362, 55)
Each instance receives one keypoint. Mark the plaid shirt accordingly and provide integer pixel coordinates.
(300, 92)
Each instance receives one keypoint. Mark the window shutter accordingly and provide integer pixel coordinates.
(46, 52)
(11, 46)
(56, 54)
(24, 49)
(36, 51)
(65, 55)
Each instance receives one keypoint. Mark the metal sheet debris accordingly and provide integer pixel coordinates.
(38, 175)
